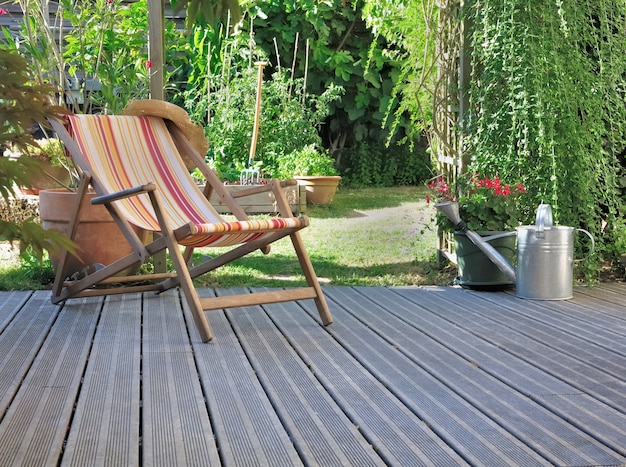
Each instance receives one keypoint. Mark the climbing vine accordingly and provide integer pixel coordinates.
(548, 106)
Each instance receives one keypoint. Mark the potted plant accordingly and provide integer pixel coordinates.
(315, 170)
(492, 208)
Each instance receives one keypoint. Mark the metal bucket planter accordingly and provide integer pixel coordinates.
(475, 269)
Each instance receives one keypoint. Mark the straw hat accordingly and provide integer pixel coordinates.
(178, 115)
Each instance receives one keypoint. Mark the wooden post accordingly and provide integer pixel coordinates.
(156, 55)
(156, 47)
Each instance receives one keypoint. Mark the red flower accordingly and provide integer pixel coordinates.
(148, 64)
(3, 11)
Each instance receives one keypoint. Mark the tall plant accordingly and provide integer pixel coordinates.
(101, 62)
(329, 41)
(548, 101)
(221, 93)
(409, 28)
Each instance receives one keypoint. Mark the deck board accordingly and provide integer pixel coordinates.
(176, 428)
(309, 414)
(248, 431)
(105, 428)
(404, 376)
(34, 426)
(11, 302)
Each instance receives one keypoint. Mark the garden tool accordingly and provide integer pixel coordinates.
(252, 176)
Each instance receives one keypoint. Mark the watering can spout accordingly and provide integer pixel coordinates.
(451, 210)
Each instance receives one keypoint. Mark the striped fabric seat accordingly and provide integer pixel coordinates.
(129, 151)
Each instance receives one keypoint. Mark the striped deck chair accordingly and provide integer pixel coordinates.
(134, 165)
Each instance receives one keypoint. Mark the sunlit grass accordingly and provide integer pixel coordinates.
(375, 236)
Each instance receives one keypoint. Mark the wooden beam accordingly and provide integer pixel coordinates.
(258, 298)
(156, 48)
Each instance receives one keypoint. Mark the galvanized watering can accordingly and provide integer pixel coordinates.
(545, 254)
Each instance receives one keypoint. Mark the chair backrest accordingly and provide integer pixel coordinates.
(128, 151)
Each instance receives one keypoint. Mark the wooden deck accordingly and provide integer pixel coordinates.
(405, 377)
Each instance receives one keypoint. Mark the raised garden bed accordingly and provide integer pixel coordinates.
(264, 203)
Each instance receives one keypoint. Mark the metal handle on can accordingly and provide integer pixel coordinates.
(498, 235)
(593, 245)
(543, 219)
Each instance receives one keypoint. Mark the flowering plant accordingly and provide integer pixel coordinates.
(485, 204)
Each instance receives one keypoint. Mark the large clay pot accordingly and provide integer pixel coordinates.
(320, 190)
(98, 238)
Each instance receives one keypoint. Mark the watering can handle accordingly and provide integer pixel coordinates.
(543, 219)
(499, 235)
(593, 245)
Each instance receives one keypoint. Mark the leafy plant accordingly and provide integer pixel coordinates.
(306, 161)
(490, 204)
(329, 41)
(101, 62)
(409, 28)
(485, 203)
(290, 117)
(21, 103)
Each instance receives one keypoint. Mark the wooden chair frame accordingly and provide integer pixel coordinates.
(64, 289)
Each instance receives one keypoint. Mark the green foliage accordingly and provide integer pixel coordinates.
(549, 105)
(374, 165)
(223, 95)
(327, 42)
(207, 11)
(21, 104)
(306, 161)
(28, 271)
(409, 28)
(21, 101)
(104, 53)
(492, 204)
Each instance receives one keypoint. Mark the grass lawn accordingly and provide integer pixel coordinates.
(371, 236)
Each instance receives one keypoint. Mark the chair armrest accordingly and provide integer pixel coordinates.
(104, 199)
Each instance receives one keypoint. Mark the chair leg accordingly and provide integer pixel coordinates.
(188, 254)
(191, 295)
(303, 256)
(61, 272)
(182, 271)
(311, 278)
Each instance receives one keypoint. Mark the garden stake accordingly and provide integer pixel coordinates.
(251, 176)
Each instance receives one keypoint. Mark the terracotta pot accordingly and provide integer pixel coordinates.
(98, 238)
(320, 190)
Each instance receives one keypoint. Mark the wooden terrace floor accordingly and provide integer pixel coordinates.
(404, 377)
